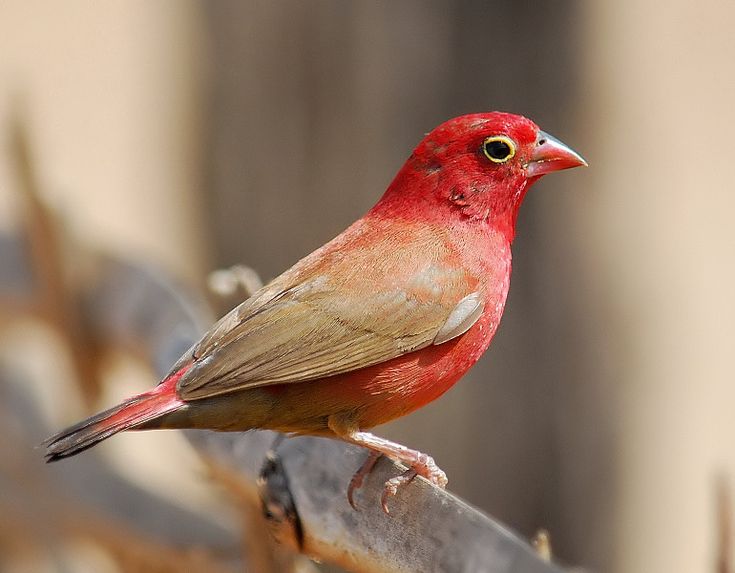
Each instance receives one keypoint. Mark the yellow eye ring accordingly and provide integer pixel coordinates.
(499, 148)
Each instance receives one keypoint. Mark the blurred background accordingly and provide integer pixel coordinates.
(183, 137)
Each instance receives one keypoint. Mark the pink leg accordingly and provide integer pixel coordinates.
(419, 464)
(359, 477)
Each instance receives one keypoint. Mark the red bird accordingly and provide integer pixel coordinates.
(378, 322)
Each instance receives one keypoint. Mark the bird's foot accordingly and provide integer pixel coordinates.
(418, 463)
(392, 486)
(421, 464)
(360, 475)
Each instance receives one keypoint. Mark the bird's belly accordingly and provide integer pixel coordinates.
(380, 393)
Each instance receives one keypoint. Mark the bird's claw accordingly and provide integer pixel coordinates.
(424, 466)
(418, 464)
(359, 477)
(391, 487)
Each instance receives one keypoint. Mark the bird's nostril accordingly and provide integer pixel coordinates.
(541, 141)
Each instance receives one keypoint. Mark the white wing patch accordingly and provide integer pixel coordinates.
(461, 319)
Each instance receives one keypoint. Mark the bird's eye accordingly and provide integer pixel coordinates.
(499, 148)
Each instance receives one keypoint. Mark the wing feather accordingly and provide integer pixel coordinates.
(321, 319)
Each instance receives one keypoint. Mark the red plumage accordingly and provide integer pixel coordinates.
(380, 321)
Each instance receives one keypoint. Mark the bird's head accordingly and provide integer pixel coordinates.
(481, 165)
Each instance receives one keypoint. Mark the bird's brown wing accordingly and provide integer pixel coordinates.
(309, 325)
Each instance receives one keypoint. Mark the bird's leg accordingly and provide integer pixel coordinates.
(418, 463)
(360, 474)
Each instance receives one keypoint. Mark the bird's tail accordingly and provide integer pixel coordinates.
(130, 414)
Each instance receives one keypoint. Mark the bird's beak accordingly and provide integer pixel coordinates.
(551, 155)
